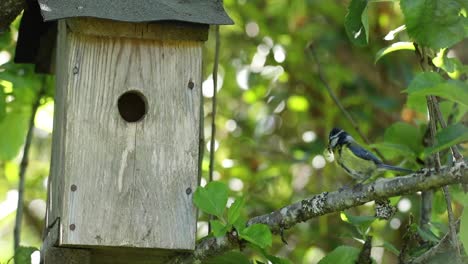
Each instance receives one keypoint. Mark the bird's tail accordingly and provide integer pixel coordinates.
(394, 168)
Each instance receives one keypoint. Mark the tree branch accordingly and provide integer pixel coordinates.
(325, 203)
(24, 166)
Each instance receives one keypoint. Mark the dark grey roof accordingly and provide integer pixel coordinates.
(195, 11)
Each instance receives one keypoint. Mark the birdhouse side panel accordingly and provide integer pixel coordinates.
(128, 181)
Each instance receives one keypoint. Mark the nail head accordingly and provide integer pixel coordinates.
(191, 85)
(188, 191)
(72, 227)
(73, 187)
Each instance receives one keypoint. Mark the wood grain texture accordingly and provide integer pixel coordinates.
(162, 30)
(131, 178)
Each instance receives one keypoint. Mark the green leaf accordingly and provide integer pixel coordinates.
(2, 103)
(390, 247)
(392, 150)
(447, 137)
(434, 23)
(362, 223)
(231, 257)
(394, 47)
(298, 103)
(212, 198)
(452, 66)
(23, 255)
(427, 235)
(356, 23)
(342, 255)
(240, 224)
(257, 234)
(404, 134)
(235, 210)
(218, 228)
(431, 83)
(464, 228)
(13, 129)
(276, 260)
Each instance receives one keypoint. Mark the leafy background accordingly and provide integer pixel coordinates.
(274, 114)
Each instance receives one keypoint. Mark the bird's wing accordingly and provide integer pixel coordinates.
(363, 153)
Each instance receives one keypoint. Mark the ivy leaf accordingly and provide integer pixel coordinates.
(394, 47)
(257, 234)
(431, 83)
(342, 255)
(434, 23)
(356, 23)
(212, 198)
(23, 255)
(218, 228)
(235, 209)
(449, 136)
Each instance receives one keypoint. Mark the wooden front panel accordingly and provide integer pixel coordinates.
(125, 184)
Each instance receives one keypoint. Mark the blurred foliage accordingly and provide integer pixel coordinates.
(274, 115)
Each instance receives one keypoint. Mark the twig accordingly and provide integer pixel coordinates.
(442, 247)
(365, 254)
(213, 111)
(337, 101)
(426, 209)
(24, 166)
(326, 203)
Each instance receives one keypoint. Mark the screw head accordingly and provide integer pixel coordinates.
(75, 70)
(188, 191)
(72, 227)
(73, 187)
(191, 84)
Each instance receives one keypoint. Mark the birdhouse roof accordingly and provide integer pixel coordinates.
(195, 11)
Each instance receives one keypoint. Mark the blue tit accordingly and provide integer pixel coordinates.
(358, 162)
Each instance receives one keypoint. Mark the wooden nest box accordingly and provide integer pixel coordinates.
(126, 137)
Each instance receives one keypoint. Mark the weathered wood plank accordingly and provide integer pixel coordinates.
(125, 184)
(162, 30)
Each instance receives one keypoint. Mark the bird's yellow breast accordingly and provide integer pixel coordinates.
(355, 166)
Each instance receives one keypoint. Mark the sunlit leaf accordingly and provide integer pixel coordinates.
(257, 234)
(212, 198)
(298, 103)
(448, 137)
(342, 255)
(434, 23)
(235, 210)
(394, 47)
(431, 83)
(452, 66)
(356, 23)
